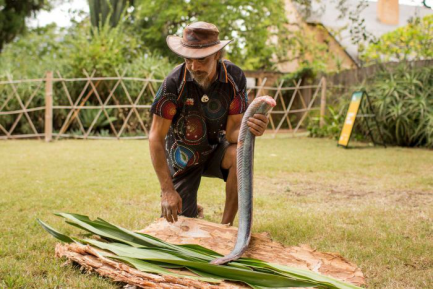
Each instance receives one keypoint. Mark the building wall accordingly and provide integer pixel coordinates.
(334, 47)
(322, 35)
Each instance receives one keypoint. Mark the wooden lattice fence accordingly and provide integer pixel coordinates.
(293, 106)
(118, 107)
(84, 108)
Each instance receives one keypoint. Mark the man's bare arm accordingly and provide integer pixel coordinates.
(232, 128)
(257, 125)
(171, 202)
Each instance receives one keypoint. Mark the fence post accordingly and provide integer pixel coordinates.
(323, 102)
(49, 106)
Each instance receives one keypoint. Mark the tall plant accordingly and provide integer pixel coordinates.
(107, 11)
(403, 101)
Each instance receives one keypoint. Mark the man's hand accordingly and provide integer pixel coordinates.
(171, 205)
(258, 124)
(171, 202)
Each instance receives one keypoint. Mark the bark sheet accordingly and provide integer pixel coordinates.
(220, 238)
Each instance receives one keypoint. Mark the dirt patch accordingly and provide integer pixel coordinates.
(364, 190)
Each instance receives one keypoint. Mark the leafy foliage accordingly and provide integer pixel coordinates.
(79, 47)
(30, 56)
(403, 102)
(264, 36)
(411, 42)
(251, 23)
(358, 30)
(89, 115)
(104, 50)
(333, 122)
(13, 15)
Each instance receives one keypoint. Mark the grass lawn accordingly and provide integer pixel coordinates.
(374, 206)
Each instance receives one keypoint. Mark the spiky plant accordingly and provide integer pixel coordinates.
(107, 11)
(403, 102)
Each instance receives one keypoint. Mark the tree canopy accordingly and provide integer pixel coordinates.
(12, 17)
(411, 42)
(262, 34)
(251, 23)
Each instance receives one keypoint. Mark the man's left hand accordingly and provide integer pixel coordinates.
(258, 124)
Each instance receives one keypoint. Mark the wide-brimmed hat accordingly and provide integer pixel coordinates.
(200, 39)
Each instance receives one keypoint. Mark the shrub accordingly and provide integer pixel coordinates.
(403, 102)
(402, 99)
(410, 42)
(333, 122)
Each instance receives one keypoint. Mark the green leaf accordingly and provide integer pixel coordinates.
(151, 268)
(55, 233)
(151, 254)
(226, 272)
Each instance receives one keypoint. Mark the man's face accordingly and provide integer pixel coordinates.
(203, 69)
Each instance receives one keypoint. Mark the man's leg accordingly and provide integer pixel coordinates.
(229, 163)
(187, 184)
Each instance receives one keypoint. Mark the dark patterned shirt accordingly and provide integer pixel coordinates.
(199, 118)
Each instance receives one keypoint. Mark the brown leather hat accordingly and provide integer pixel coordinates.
(200, 39)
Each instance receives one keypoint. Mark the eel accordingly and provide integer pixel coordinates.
(245, 160)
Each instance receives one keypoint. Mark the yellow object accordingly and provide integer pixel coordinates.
(350, 118)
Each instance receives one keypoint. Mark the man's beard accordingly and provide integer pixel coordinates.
(202, 79)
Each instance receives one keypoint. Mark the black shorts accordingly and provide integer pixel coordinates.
(187, 183)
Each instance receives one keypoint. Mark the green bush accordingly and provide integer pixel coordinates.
(333, 122)
(410, 42)
(403, 102)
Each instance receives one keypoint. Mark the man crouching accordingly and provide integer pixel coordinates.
(197, 114)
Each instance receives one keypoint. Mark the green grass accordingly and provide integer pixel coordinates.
(374, 206)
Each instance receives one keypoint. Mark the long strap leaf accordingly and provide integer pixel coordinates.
(150, 254)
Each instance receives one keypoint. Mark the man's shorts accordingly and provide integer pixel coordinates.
(187, 183)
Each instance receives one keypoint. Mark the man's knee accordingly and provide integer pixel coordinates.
(229, 160)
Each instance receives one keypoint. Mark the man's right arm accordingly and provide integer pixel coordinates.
(171, 202)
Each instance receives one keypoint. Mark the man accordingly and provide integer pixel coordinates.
(197, 114)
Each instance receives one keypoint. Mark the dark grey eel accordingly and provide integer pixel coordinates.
(245, 161)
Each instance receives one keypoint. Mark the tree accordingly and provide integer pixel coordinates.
(12, 17)
(250, 22)
(261, 29)
(411, 42)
